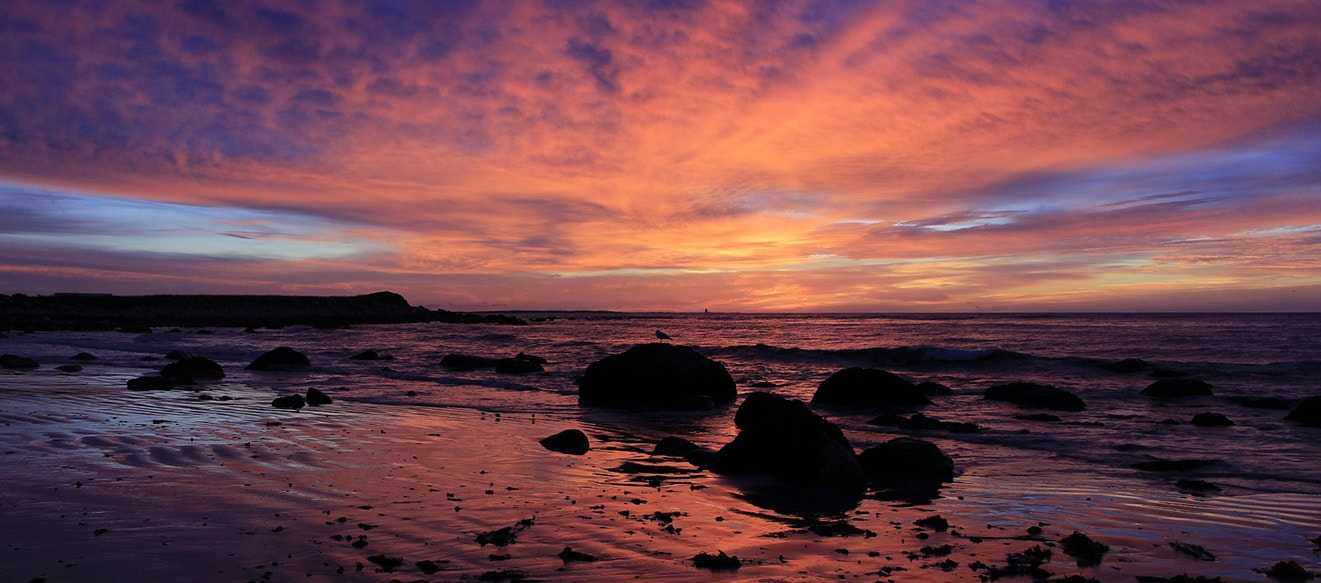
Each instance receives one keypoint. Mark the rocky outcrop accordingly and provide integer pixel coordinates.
(658, 376)
(1307, 412)
(870, 388)
(194, 367)
(1177, 388)
(14, 362)
(1035, 396)
(281, 359)
(570, 441)
(784, 439)
(907, 462)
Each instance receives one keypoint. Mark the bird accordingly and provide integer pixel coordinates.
(662, 336)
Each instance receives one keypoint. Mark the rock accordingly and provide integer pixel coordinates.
(84, 357)
(176, 355)
(1270, 403)
(1307, 412)
(386, 562)
(504, 536)
(1083, 549)
(570, 441)
(518, 365)
(193, 367)
(152, 383)
(281, 359)
(1177, 388)
(569, 555)
(289, 402)
(905, 461)
(1192, 550)
(1196, 486)
(1288, 571)
(1126, 366)
(14, 362)
(69, 368)
(1035, 396)
(427, 567)
(1160, 465)
(466, 362)
(531, 358)
(371, 355)
(1211, 420)
(868, 387)
(1168, 373)
(675, 446)
(783, 438)
(934, 389)
(934, 522)
(718, 562)
(659, 376)
(315, 397)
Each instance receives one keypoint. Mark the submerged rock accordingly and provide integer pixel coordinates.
(1211, 420)
(1126, 366)
(570, 441)
(675, 446)
(1307, 412)
(69, 368)
(663, 376)
(466, 362)
(176, 355)
(1083, 549)
(868, 387)
(906, 462)
(1288, 571)
(84, 357)
(152, 383)
(1195, 551)
(194, 367)
(920, 422)
(717, 562)
(1270, 403)
(934, 389)
(281, 359)
(15, 362)
(569, 555)
(1160, 465)
(783, 438)
(289, 402)
(1177, 388)
(504, 536)
(518, 365)
(371, 355)
(1196, 486)
(1035, 396)
(316, 397)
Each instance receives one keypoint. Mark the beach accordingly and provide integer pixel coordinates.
(414, 466)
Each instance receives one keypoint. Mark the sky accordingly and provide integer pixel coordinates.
(669, 155)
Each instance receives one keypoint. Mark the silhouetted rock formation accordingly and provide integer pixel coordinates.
(783, 438)
(570, 441)
(663, 376)
(370, 355)
(136, 314)
(868, 387)
(316, 398)
(281, 359)
(1126, 366)
(905, 462)
(289, 402)
(1177, 388)
(521, 364)
(1307, 412)
(14, 362)
(1035, 396)
(193, 367)
(84, 357)
(1211, 420)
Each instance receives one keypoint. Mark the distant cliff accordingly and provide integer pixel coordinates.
(109, 312)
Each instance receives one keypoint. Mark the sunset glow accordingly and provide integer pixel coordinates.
(669, 155)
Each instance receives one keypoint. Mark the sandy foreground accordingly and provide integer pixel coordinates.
(101, 484)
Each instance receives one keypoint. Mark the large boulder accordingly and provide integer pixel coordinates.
(868, 387)
(784, 439)
(662, 376)
(905, 461)
(1035, 396)
(193, 367)
(570, 441)
(280, 359)
(13, 362)
(1177, 388)
(1307, 412)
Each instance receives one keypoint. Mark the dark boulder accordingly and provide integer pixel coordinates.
(868, 387)
(662, 376)
(718, 562)
(69, 368)
(1035, 396)
(152, 383)
(1288, 571)
(905, 461)
(84, 357)
(371, 355)
(1083, 549)
(532, 358)
(784, 439)
(518, 365)
(193, 367)
(281, 359)
(317, 397)
(289, 402)
(1307, 412)
(14, 362)
(1177, 388)
(466, 362)
(1211, 420)
(570, 441)
(1126, 366)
